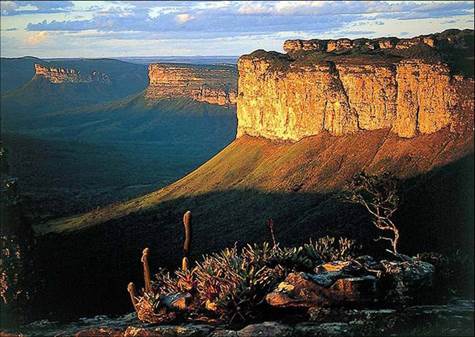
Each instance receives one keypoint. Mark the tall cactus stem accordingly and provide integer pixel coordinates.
(184, 264)
(131, 290)
(187, 242)
(146, 270)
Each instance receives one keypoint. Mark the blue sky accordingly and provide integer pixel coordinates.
(154, 28)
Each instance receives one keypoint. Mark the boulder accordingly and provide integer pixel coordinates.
(325, 279)
(298, 290)
(224, 333)
(266, 329)
(187, 330)
(323, 330)
(179, 301)
(324, 289)
(100, 332)
(408, 279)
(349, 268)
(362, 289)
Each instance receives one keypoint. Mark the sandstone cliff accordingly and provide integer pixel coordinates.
(211, 84)
(288, 96)
(452, 38)
(63, 75)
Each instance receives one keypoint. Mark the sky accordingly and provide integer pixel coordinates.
(225, 28)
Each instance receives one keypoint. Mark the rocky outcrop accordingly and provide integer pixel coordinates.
(360, 282)
(210, 84)
(455, 319)
(287, 98)
(64, 75)
(338, 45)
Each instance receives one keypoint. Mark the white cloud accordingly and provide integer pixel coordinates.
(98, 27)
(184, 17)
(7, 6)
(37, 38)
(253, 8)
(300, 7)
(155, 12)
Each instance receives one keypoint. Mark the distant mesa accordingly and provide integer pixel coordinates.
(210, 84)
(449, 37)
(345, 86)
(64, 75)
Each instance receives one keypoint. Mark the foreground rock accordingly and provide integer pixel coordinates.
(453, 319)
(409, 279)
(354, 283)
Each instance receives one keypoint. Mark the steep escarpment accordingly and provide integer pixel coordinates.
(210, 84)
(64, 75)
(291, 96)
(453, 38)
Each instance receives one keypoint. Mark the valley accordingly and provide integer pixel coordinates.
(60, 177)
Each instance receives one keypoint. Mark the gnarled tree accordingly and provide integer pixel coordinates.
(378, 194)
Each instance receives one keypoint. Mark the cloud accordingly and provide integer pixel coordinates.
(7, 7)
(247, 17)
(37, 38)
(252, 23)
(253, 9)
(10, 8)
(184, 17)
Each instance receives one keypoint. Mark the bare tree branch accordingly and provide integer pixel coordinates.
(378, 195)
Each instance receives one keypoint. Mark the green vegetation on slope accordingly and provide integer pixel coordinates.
(179, 120)
(127, 78)
(242, 179)
(17, 72)
(22, 102)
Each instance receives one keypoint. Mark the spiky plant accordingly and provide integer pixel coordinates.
(232, 283)
(329, 248)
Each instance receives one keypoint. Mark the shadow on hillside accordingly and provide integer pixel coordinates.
(87, 272)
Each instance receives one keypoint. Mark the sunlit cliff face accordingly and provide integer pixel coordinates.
(214, 85)
(63, 75)
(301, 94)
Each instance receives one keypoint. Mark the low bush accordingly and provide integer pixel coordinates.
(232, 284)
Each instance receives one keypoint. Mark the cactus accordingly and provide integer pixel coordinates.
(131, 290)
(187, 242)
(146, 270)
(270, 226)
(184, 264)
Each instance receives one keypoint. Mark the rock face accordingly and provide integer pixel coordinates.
(431, 40)
(211, 84)
(454, 319)
(289, 97)
(63, 75)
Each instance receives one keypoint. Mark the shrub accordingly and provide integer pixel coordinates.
(232, 283)
(328, 249)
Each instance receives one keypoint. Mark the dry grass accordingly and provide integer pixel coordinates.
(317, 164)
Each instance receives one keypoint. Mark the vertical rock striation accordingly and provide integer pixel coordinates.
(211, 84)
(63, 75)
(287, 98)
